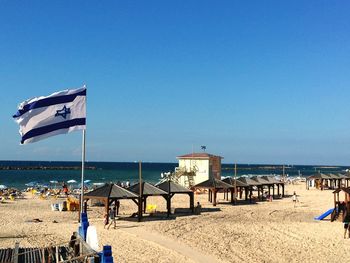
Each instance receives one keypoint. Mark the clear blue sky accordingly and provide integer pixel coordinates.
(254, 81)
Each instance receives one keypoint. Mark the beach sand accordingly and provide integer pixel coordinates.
(263, 232)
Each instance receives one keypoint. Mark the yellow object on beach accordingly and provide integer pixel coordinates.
(12, 198)
(151, 208)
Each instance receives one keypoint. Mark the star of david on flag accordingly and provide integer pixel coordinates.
(58, 113)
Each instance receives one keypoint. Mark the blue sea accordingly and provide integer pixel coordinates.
(128, 171)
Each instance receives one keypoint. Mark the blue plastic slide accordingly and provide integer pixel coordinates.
(324, 214)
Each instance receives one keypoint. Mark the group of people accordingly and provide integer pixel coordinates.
(124, 184)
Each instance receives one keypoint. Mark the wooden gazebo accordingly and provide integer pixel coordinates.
(249, 189)
(274, 182)
(176, 189)
(214, 185)
(148, 190)
(345, 179)
(239, 185)
(109, 194)
(329, 181)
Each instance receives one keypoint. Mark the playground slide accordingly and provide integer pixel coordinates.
(321, 217)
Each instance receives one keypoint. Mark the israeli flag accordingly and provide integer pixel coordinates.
(59, 113)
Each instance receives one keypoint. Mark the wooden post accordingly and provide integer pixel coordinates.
(214, 202)
(15, 253)
(192, 202)
(169, 198)
(140, 192)
(250, 194)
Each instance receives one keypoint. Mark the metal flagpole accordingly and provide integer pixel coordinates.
(235, 182)
(82, 174)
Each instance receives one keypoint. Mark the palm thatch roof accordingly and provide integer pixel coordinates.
(174, 188)
(111, 191)
(213, 183)
(231, 181)
(147, 189)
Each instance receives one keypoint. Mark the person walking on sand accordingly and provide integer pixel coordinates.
(295, 199)
(112, 215)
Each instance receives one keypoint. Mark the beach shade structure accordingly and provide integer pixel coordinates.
(249, 190)
(109, 194)
(240, 186)
(147, 190)
(54, 182)
(173, 188)
(87, 181)
(274, 183)
(3, 187)
(324, 181)
(268, 182)
(214, 185)
(345, 179)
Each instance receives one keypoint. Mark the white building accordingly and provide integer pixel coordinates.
(195, 168)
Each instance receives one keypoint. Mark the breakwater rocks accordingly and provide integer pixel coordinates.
(46, 168)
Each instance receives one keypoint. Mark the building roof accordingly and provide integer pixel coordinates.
(147, 189)
(231, 181)
(213, 183)
(204, 156)
(111, 191)
(174, 188)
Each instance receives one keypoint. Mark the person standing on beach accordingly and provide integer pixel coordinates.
(112, 216)
(294, 198)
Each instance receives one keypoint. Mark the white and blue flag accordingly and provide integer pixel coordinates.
(43, 117)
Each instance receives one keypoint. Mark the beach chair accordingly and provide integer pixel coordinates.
(150, 209)
(2, 200)
(12, 197)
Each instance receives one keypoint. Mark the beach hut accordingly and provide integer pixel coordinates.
(214, 185)
(173, 188)
(324, 181)
(109, 194)
(148, 190)
(345, 178)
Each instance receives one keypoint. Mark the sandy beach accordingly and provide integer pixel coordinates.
(262, 232)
